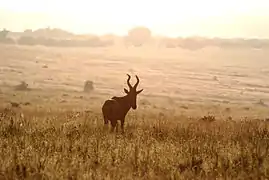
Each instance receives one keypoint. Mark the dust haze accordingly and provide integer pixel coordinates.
(179, 71)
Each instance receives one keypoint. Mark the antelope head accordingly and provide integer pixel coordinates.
(132, 93)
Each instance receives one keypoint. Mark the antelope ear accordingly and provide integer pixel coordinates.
(126, 91)
(137, 92)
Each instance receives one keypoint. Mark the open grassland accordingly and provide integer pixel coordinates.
(57, 132)
(59, 144)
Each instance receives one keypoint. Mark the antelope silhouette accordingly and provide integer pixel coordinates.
(116, 108)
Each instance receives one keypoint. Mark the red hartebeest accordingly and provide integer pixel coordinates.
(116, 108)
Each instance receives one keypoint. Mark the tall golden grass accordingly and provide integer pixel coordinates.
(73, 145)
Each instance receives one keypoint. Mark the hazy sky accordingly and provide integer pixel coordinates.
(229, 18)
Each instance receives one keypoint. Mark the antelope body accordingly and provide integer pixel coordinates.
(116, 108)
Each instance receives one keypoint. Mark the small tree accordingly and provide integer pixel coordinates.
(138, 36)
(3, 34)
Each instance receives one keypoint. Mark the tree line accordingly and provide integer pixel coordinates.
(138, 36)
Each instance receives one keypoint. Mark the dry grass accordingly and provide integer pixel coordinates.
(73, 145)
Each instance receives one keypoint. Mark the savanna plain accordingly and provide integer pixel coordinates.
(202, 115)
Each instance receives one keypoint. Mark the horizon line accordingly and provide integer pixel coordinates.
(154, 35)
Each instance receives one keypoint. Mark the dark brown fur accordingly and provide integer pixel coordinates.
(116, 108)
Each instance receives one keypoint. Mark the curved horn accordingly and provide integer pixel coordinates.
(137, 81)
(128, 81)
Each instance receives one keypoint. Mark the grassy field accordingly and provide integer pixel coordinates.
(57, 132)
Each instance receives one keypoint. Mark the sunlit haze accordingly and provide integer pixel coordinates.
(240, 18)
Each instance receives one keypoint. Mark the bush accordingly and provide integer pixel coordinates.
(88, 86)
(27, 40)
(7, 41)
